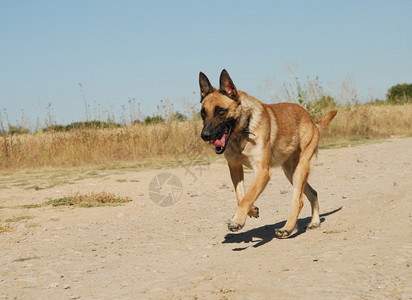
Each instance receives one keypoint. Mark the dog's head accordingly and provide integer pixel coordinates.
(220, 110)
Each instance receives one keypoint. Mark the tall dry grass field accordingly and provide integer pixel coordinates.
(168, 143)
(369, 121)
(142, 144)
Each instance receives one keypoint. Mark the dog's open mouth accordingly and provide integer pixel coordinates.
(220, 144)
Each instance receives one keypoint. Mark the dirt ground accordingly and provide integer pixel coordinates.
(142, 250)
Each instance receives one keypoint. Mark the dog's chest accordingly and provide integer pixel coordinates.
(250, 153)
(247, 153)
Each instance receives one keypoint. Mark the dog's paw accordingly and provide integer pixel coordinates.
(282, 233)
(313, 225)
(254, 212)
(234, 226)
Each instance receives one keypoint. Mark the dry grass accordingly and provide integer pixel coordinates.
(5, 228)
(368, 122)
(76, 199)
(11, 222)
(379, 121)
(18, 219)
(174, 142)
(143, 144)
(89, 200)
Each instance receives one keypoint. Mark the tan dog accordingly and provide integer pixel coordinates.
(261, 136)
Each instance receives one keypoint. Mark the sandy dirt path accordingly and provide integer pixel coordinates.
(141, 250)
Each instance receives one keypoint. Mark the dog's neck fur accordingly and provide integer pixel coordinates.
(247, 121)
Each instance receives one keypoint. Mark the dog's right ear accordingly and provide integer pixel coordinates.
(205, 87)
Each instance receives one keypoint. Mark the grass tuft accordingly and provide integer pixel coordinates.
(89, 200)
(6, 228)
(18, 219)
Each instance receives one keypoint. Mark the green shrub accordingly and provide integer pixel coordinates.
(177, 116)
(154, 120)
(18, 130)
(399, 94)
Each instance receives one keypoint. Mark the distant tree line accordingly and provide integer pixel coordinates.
(82, 125)
(156, 119)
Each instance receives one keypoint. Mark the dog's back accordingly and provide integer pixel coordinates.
(291, 129)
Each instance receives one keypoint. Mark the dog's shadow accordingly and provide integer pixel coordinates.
(265, 234)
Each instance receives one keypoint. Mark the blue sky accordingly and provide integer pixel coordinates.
(153, 50)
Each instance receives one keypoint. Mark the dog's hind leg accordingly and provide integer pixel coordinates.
(299, 181)
(289, 169)
(313, 199)
(297, 170)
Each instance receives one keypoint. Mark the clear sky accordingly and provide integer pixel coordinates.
(153, 50)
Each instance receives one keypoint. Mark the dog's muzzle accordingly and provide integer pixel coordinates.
(216, 136)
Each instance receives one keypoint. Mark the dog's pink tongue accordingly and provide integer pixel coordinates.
(219, 143)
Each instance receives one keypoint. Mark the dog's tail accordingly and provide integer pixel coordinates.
(324, 121)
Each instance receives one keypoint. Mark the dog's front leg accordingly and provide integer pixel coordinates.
(237, 175)
(245, 205)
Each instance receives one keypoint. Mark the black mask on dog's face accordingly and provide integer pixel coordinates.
(216, 108)
(218, 134)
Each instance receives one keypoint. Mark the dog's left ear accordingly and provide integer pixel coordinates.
(226, 86)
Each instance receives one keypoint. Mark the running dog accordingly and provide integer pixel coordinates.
(261, 136)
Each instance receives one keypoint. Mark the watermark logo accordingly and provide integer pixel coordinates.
(165, 189)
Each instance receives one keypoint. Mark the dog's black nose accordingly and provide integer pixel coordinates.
(206, 134)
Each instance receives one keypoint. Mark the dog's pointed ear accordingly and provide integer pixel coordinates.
(205, 87)
(226, 86)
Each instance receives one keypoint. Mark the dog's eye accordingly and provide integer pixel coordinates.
(203, 114)
(220, 112)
